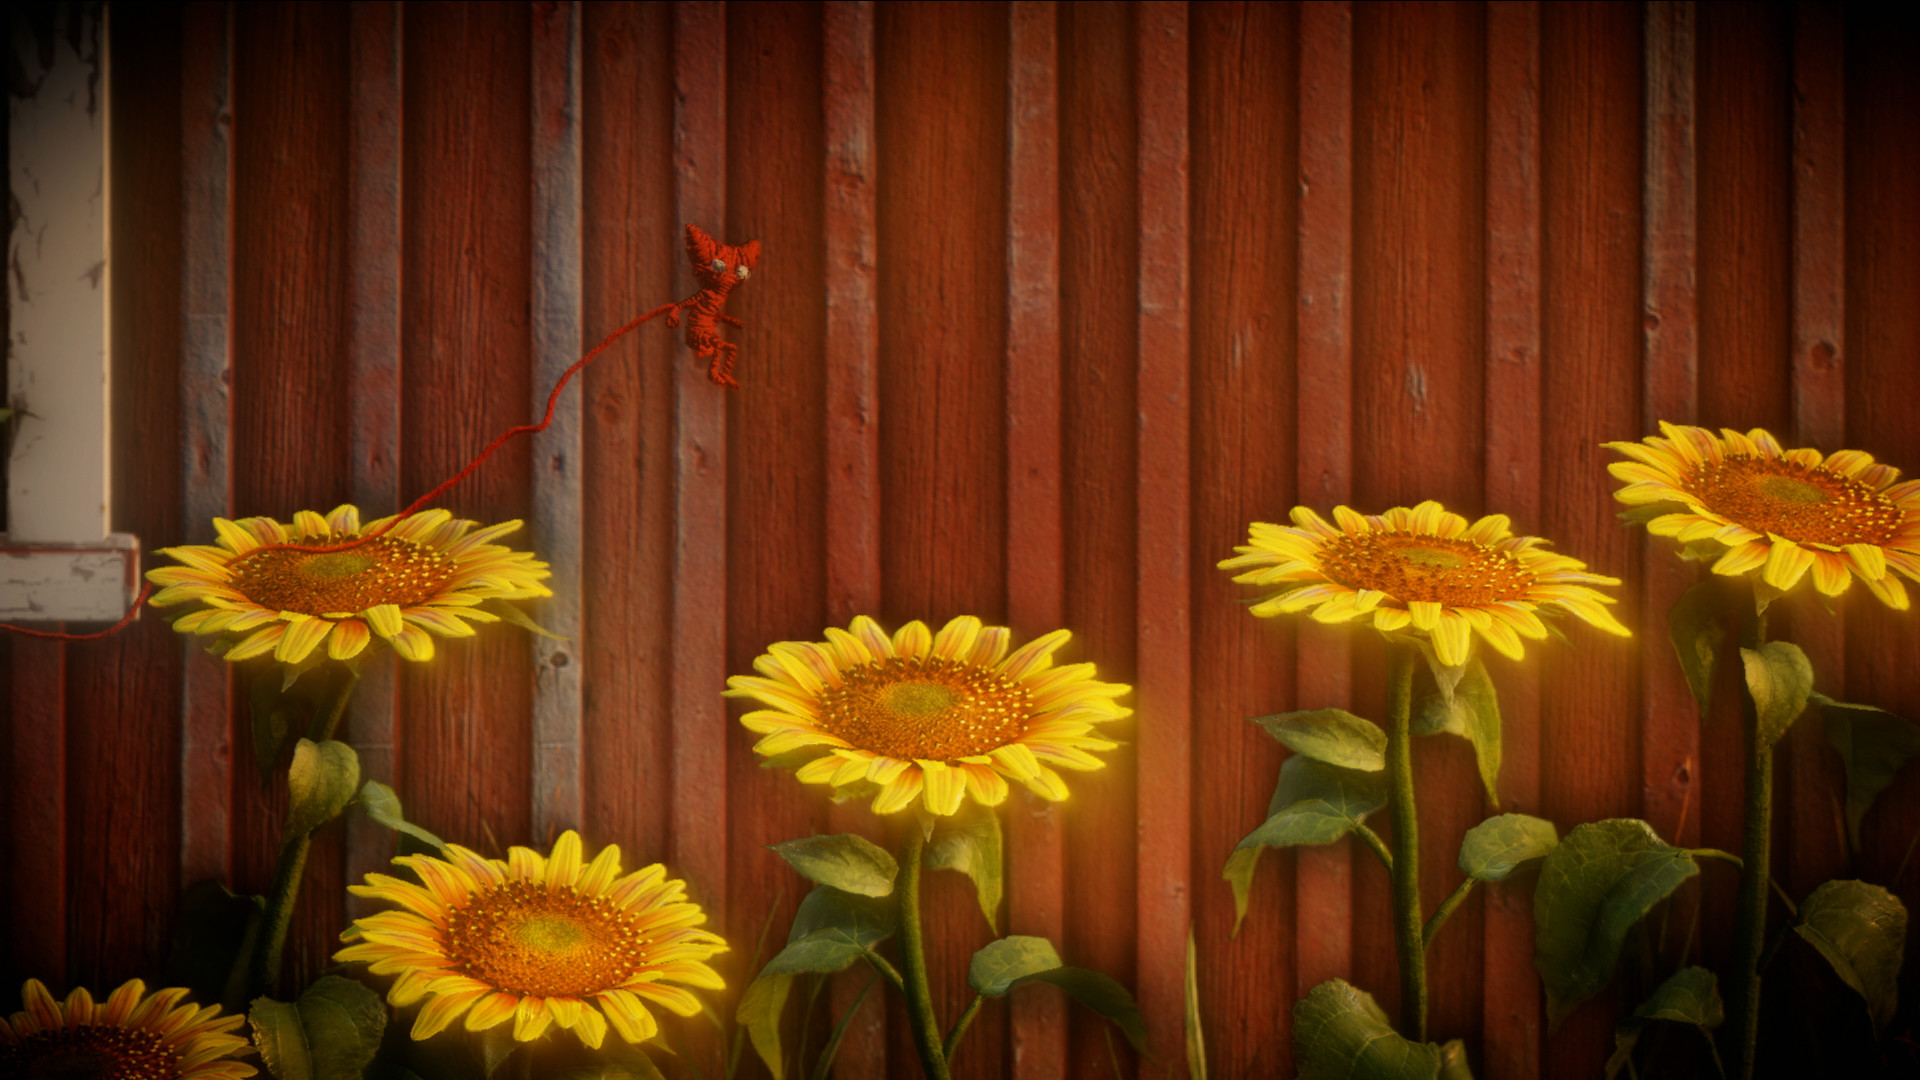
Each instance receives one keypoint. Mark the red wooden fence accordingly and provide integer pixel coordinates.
(1055, 300)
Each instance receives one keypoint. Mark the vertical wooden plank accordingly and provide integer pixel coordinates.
(466, 219)
(1511, 1024)
(853, 326)
(627, 157)
(1099, 128)
(123, 695)
(1591, 326)
(1419, 376)
(36, 749)
(1164, 660)
(206, 471)
(1669, 730)
(778, 513)
(290, 313)
(1819, 383)
(557, 452)
(1883, 381)
(1036, 572)
(700, 480)
(373, 374)
(1245, 195)
(852, 409)
(940, 141)
(1323, 885)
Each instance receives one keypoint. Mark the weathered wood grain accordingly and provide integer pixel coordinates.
(1245, 142)
(375, 130)
(1165, 556)
(1817, 845)
(1511, 1025)
(1104, 317)
(37, 785)
(558, 459)
(633, 248)
(1035, 541)
(464, 762)
(940, 136)
(1591, 326)
(699, 582)
(291, 394)
(205, 417)
(1323, 436)
(853, 506)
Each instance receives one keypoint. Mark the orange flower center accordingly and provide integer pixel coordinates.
(1805, 504)
(89, 1051)
(385, 570)
(1457, 573)
(525, 938)
(925, 708)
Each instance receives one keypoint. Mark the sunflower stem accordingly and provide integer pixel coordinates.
(291, 866)
(337, 708)
(960, 1028)
(1408, 934)
(287, 872)
(913, 958)
(1750, 912)
(1445, 909)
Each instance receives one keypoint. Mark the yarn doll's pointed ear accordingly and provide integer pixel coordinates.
(700, 246)
(750, 254)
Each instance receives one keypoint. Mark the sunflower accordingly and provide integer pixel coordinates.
(429, 573)
(539, 941)
(929, 717)
(1781, 512)
(132, 1033)
(1422, 569)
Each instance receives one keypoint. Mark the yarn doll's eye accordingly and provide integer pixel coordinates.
(742, 271)
(719, 266)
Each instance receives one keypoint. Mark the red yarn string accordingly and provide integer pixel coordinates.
(505, 436)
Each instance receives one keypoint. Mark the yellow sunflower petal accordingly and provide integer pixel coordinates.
(1452, 639)
(436, 1014)
(1786, 563)
(350, 637)
(413, 643)
(628, 1016)
(943, 787)
(900, 792)
(491, 1011)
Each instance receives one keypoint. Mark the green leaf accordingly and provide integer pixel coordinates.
(1471, 711)
(1695, 627)
(1195, 1031)
(831, 930)
(1339, 1033)
(281, 1039)
(1861, 929)
(1001, 965)
(1689, 996)
(970, 843)
(1334, 736)
(1316, 803)
(1313, 803)
(1445, 677)
(331, 1033)
(1239, 874)
(1873, 744)
(1016, 960)
(383, 805)
(1780, 678)
(323, 779)
(495, 1045)
(1594, 886)
(759, 1013)
(847, 862)
(279, 709)
(344, 1021)
(211, 940)
(1498, 846)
